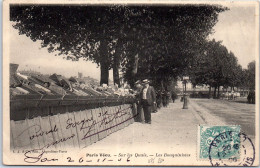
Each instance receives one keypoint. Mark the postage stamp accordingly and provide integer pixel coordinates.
(207, 135)
(225, 146)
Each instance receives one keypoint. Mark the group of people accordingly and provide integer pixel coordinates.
(163, 98)
(145, 100)
(149, 101)
(251, 97)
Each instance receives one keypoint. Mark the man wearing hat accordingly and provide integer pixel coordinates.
(140, 112)
(148, 99)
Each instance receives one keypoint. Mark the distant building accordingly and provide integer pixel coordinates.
(91, 81)
(80, 75)
(189, 86)
(29, 72)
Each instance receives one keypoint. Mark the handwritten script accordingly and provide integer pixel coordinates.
(89, 126)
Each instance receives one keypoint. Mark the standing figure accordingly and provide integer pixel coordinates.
(168, 96)
(140, 112)
(164, 98)
(174, 96)
(148, 100)
(159, 99)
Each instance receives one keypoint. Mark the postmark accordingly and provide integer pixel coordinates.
(208, 133)
(231, 149)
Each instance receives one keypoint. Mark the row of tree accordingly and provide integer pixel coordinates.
(156, 42)
(216, 67)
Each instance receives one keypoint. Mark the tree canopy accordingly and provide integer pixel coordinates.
(160, 40)
(216, 67)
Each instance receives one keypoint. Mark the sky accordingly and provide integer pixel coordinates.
(30, 56)
(235, 28)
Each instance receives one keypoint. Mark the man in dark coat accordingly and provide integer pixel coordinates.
(148, 99)
(164, 98)
(140, 112)
(159, 99)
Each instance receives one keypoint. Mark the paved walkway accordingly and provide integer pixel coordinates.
(231, 113)
(172, 129)
(178, 127)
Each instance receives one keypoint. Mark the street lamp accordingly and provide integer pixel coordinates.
(185, 100)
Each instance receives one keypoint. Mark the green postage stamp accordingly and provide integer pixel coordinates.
(219, 142)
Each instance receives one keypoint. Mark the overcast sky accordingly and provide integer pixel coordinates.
(236, 28)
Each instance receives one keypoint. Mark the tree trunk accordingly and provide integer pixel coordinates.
(135, 65)
(116, 75)
(162, 85)
(215, 91)
(209, 92)
(116, 63)
(134, 68)
(104, 63)
(104, 70)
(218, 93)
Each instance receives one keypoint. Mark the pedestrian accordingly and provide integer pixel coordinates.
(148, 100)
(173, 96)
(159, 99)
(140, 112)
(168, 95)
(164, 98)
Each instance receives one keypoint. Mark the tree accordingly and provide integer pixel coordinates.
(216, 67)
(76, 31)
(112, 36)
(251, 75)
(166, 47)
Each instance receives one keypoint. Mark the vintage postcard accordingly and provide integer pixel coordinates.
(130, 83)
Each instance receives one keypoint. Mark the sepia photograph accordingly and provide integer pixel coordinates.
(131, 83)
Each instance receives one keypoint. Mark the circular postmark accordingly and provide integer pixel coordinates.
(231, 149)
